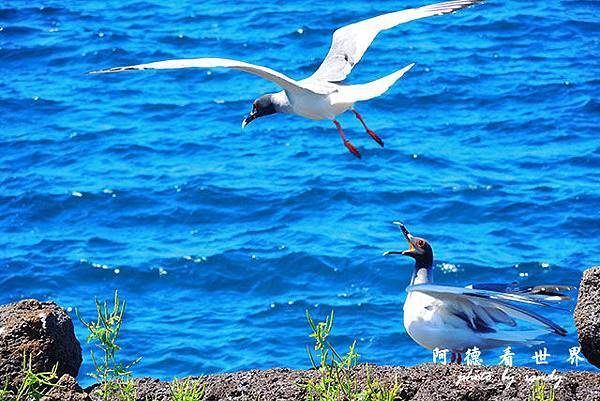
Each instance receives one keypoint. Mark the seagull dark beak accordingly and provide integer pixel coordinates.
(253, 116)
(408, 236)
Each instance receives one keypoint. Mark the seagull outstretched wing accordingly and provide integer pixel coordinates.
(282, 80)
(549, 292)
(483, 309)
(352, 41)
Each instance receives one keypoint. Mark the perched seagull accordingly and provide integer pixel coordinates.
(322, 96)
(456, 318)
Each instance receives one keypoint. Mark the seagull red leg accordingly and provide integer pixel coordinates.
(459, 360)
(369, 131)
(347, 143)
(453, 358)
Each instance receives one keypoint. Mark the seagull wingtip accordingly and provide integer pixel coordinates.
(561, 331)
(117, 69)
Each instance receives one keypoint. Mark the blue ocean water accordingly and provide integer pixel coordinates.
(220, 239)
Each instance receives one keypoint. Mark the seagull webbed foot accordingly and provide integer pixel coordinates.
(371, 133)
(347, 143)
(352, 149)
(375, 137)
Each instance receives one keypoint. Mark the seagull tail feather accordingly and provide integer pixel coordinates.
(375, 88)
(526, 337)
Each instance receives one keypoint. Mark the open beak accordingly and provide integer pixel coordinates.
(409, 238)
(253, 116)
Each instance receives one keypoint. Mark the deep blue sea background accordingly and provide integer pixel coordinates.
(220, 239)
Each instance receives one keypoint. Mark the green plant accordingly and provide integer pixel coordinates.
(186, 390)
(113, 376)
(125, 390)
(5, 392)
(376, 391)
(35, 384)
(336, 381)
(538, 392)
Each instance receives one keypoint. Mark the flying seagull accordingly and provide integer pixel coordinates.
(459, 318)
(322, 96)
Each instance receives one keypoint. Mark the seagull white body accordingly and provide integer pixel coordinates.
(425, 326)
(338, 100)
(429, 323)
(483, 316)
(321, 96)
(309, 105)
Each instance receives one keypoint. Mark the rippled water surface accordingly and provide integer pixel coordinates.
(220, 239)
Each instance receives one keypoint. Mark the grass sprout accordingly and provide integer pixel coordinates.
(5, 392)
(376, 391)
(113, 376)
(538, 392)
(34, 384)
(186, 390)
(336, 381)
(125, 390)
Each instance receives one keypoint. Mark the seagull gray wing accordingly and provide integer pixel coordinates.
(482, 309)
(285, 82)
(548, 292)
(457, 312)
(352, 41)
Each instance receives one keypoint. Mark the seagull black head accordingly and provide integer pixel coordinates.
(418, 249)
(263, 106)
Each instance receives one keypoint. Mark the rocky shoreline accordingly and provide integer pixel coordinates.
(417, 383)
(44, 331)
(425, 382)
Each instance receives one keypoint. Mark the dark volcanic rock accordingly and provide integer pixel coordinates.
(430, 382)
(264, 385)
(152, 389)
(272, 384)
(587, 315)
(426, 382)
(41, 330)
(66, 389)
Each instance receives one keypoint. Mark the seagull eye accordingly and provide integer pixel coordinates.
(421, 243)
